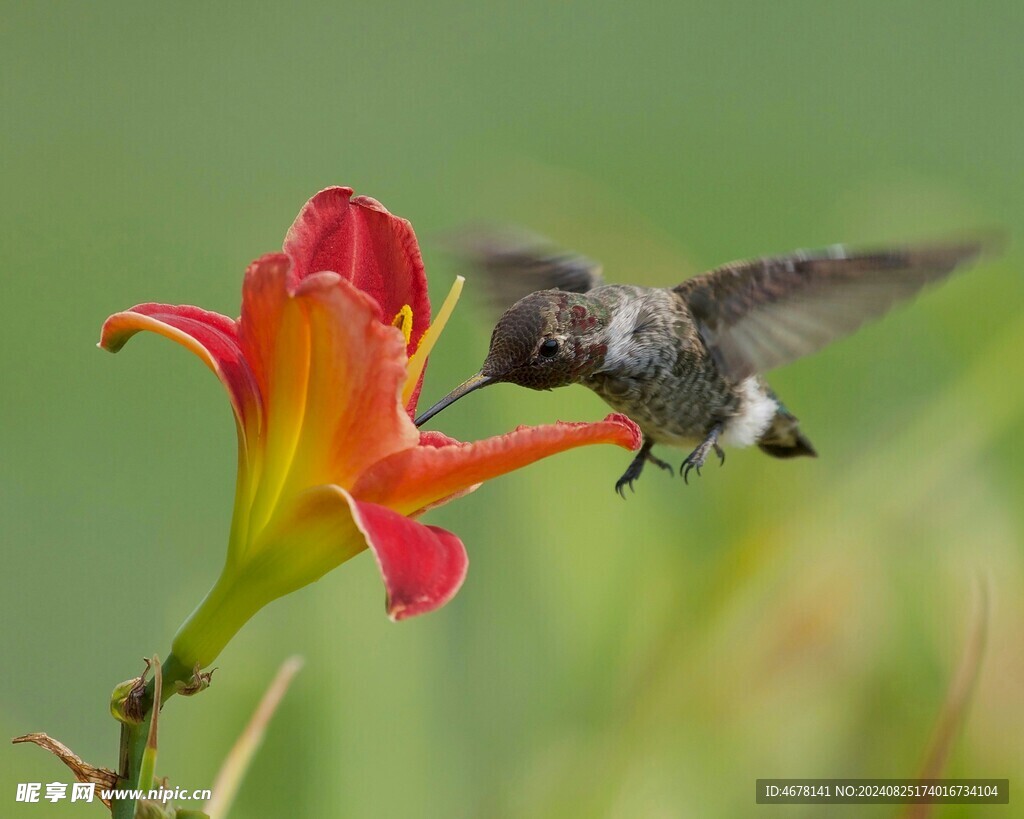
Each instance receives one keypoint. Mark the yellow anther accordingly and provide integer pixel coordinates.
(403, 321)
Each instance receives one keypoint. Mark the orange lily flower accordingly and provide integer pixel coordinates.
(323, 370)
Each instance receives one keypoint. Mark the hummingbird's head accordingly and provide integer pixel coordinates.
(548, 339)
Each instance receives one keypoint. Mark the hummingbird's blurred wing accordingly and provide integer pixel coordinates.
(515, 263)
(760, 314)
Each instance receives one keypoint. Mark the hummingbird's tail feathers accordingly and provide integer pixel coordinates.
(783, 438)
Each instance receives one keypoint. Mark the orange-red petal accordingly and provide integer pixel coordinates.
(264, 303)
(353, 415)
(312, 533)
(211, 336)
(275, 340)
(414, 479)
(357, 238)
(422, 566)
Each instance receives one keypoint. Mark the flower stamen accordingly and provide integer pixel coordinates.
(403, 321)
(418, 360)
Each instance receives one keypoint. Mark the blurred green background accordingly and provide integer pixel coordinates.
(647, 658)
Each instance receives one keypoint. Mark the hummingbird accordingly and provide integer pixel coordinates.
(686, 363)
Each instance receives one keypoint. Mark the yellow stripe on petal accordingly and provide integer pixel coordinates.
(419, 359)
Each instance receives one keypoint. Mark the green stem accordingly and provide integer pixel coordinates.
(226, 608)
(133, 737)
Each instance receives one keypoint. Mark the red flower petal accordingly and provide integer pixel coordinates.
(431, 437)
(412, 480)
(265, 302)
(357, 238)
(422, 566)
(353, 416)
(211, 336)
(312, 533)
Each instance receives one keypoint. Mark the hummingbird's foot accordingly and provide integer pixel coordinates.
(695, 460)
(636, 466)
(651, 459)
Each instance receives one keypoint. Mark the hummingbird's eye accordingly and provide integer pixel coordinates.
(549, 348)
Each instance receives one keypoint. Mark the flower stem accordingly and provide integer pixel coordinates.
(133, 737)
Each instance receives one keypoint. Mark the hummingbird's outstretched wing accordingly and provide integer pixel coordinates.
(760, 314)
(515, 263)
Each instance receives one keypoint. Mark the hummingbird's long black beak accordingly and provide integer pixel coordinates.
(474, 382)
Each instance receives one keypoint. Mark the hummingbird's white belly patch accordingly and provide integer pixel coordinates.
(756, 411)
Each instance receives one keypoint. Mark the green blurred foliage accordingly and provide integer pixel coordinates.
(648, 658)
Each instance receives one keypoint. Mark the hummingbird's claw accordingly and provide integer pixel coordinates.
(630, 475)
(695, 460)
(684, 470)
(636, 466)
(622, 483)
